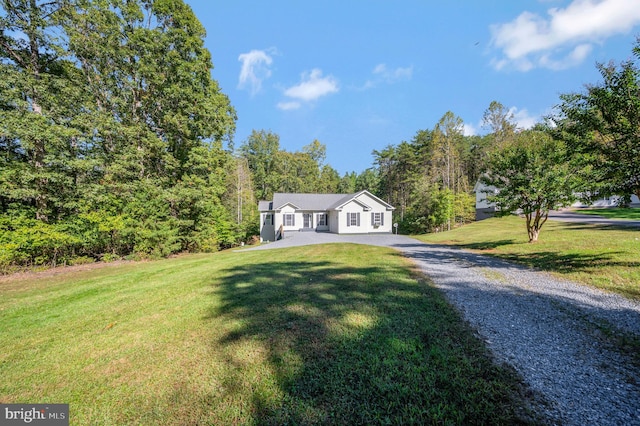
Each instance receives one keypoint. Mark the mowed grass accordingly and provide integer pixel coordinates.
(613, 213)
(328, 334)
(601, 256)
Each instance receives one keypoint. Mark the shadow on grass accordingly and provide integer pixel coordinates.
(486, 245)
(316, 343)
(605, 226)
(565, 263)
(557, 261)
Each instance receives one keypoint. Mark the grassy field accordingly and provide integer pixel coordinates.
(601, 256)
(613, 213)
(330, 334)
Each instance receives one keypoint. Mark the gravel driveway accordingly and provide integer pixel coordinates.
(560, 336)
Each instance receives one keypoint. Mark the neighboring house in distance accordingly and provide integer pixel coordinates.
(485, 209)
(612, 201)
(359, 213)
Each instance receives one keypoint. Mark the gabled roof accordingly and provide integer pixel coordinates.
(316, 202)
(348, 199)
(354, 197)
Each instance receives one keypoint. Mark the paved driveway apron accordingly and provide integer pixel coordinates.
(553, 332)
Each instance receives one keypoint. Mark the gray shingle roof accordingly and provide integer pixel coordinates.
(264, 206)
(310, 201)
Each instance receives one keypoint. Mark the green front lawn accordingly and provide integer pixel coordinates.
(330, 334)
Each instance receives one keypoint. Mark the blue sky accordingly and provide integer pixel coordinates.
(361, 75)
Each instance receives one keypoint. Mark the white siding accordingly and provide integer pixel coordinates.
(334, 221)
(376, 207)
(297, 219)
(352, 208)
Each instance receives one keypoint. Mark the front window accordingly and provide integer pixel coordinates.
(377, 219)
(322, 219)
(353, 219)
(289, 219)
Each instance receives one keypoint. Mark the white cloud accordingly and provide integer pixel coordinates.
(523, 118)
(287, 106)
(577, 55)
(313, 86)
(533, 41)
(391, 76)
(383, 74)
(254, 70)
(469, 130)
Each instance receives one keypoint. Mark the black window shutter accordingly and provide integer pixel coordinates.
(358, 219)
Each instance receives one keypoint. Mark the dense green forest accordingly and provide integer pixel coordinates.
(116, 142)
(113, 134)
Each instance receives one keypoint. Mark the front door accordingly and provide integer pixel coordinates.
(308, 220)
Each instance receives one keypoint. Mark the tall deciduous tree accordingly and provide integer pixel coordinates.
(347, 183)
(368, 180)
(602, 125)
(500, 121)
(158, 119)
(261, 149)
(317, 151)
(384, 160)
(38, 98)
(532, 175)
(296, 172)
(447, 166)
(329, 180)
(446, 158)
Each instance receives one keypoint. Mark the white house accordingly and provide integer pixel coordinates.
(359, 213)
